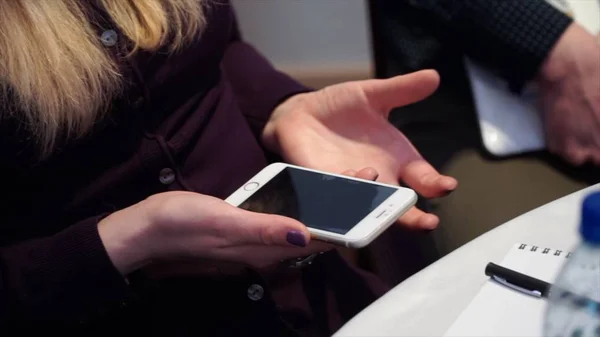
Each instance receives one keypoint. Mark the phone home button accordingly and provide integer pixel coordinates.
(251, 186)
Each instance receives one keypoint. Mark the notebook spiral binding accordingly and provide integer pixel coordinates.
(546, 251)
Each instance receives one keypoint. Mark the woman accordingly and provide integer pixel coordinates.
(124, 124)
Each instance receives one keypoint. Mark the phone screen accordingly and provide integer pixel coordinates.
(318, 200)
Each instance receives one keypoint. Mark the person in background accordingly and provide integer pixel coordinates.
(521, 41)
(124, 124)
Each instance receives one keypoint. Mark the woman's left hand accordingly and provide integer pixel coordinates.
(346, 126)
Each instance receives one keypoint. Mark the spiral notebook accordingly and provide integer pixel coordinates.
(499, 311)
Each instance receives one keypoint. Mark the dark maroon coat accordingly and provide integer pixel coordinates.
(188, 121)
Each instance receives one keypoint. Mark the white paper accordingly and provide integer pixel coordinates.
(500, 311)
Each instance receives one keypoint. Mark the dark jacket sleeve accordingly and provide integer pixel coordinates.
(511, 36)
(67, 277)
(257, 85)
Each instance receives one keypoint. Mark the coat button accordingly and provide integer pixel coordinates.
(166, 176)
(255, 292)
(109, 38)
(138, 102)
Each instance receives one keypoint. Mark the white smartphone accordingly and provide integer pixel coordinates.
(343, 210)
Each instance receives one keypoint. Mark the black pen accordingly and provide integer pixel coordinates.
(517, 281)
(531, 286)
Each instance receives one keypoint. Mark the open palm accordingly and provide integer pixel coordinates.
(346, 126)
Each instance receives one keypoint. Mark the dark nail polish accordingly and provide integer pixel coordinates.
(296, 238)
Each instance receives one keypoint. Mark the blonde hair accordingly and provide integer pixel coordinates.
(54, 71)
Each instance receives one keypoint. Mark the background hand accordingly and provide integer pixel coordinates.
(346, 125)
(570, 86)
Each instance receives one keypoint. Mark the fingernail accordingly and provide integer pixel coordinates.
(296, 238)
(376, 176)
(449, 183)
(431, 222)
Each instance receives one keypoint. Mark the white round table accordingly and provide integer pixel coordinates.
(427, 303)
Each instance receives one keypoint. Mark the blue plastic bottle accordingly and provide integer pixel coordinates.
(574, 302)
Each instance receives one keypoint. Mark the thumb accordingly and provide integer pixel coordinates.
(386, 94)
(269, 229)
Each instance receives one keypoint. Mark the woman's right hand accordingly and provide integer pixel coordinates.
(180, 224)
(187, 225)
